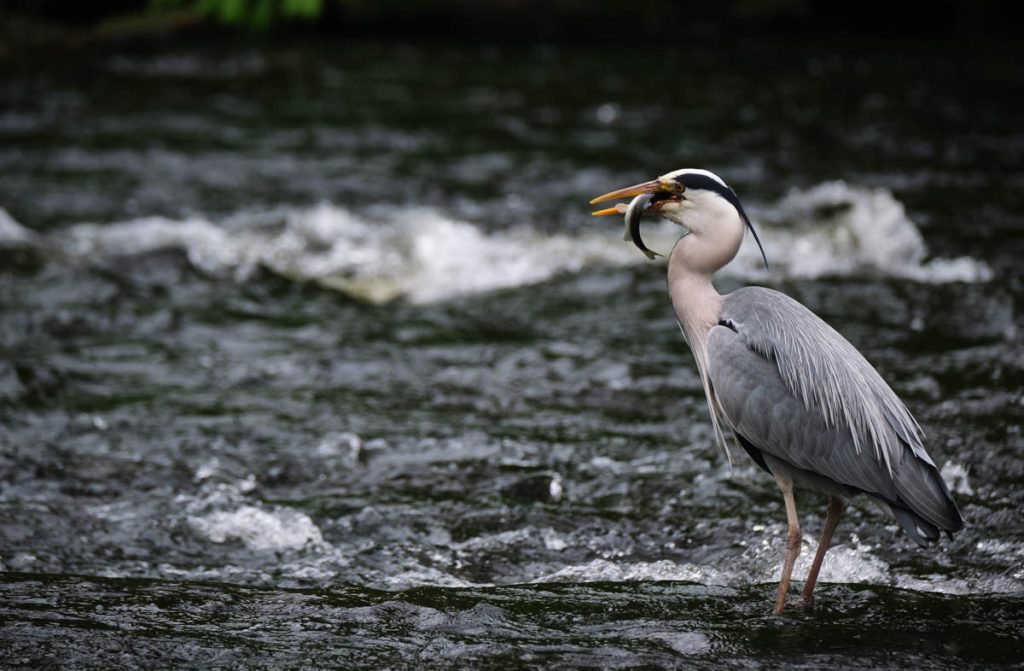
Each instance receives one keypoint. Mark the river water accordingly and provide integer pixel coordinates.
(313, 355)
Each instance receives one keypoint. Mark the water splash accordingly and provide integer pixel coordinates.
(225, 513)
(603, 570)
(422, 255)
(417, 253)
(259, 529)
(835, 229)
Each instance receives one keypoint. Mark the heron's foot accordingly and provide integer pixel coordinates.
(806, 601)
(807, 596)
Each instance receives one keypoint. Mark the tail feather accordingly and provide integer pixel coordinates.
(924, 494)
(920, 531)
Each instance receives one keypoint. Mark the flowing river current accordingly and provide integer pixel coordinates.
(314, 356)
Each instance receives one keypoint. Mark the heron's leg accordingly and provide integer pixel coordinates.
(792, 541)
(835, 511)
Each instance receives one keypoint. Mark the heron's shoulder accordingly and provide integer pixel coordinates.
(799, 341)
(762, 301)
(759, 313)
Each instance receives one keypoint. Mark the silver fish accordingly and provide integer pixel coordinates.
(636, 209)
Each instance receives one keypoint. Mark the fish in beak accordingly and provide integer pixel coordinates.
(647, 196)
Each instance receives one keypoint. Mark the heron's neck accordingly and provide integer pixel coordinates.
(695, 300)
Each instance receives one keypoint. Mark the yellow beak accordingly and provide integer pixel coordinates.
(630, 191)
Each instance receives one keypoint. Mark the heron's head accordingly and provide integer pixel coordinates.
(698, 200)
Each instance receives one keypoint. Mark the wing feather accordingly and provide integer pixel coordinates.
(795, 388)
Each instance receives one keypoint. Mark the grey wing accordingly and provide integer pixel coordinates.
(793, 388)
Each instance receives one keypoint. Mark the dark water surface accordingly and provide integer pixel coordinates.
(314, 356)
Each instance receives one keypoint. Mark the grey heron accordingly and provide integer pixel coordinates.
(796, 395)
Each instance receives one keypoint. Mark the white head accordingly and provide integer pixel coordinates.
(703, 204)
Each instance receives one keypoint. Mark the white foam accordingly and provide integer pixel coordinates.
(683, 642)
(602, 570)
(955, 476)
(424, 575)
(844, 565)
(838, 229)
(847, 563)
(13, 232)
(422, 255)
(259, 529)
(416, 253)
(991, 584)
(210, 248)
